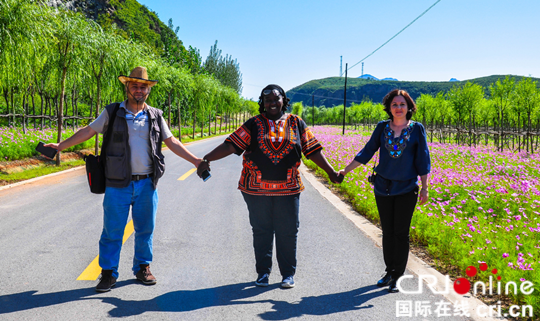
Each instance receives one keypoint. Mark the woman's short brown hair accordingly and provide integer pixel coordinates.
(387, 101)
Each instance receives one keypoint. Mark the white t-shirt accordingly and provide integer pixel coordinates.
(139, 137)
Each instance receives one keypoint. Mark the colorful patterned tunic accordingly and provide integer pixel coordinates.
(272, 154)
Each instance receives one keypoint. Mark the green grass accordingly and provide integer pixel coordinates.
(40, 170)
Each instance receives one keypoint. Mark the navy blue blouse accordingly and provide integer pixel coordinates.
(402, 159)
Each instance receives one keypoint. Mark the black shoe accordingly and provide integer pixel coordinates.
(262, 279)
(387, 279)
(106, 282)
(392, 288)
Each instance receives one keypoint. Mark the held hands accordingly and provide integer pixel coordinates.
(423, 197)
(203, 165)
(197, 162)
(335, 177)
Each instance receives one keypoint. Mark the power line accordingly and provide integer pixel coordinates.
(407, 26)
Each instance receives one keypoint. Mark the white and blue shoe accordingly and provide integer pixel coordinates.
(262, 279)
(288, 282)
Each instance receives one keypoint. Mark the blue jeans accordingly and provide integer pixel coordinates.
(143, 199)
(269, 215)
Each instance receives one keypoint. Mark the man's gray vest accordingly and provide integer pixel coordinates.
(118, 154)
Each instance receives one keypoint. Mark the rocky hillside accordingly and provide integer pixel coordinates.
(134, 20)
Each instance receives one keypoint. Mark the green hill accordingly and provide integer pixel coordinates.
(329, 91)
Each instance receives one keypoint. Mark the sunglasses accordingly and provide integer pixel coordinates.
(267, 92)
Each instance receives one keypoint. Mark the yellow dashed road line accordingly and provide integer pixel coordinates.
(93, 270)
(186, 175)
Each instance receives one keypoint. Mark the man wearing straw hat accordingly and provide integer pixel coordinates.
(132, 170)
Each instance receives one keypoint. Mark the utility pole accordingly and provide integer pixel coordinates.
(313, 110)
(340, 66)
(345, 99)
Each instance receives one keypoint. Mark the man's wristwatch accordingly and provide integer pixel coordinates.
(205, 160)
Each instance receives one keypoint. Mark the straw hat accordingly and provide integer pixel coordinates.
(139, 74)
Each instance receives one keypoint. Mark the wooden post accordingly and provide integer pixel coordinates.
(344, 99)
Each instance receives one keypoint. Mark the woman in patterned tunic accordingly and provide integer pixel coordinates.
(272, 144)
(404, 155)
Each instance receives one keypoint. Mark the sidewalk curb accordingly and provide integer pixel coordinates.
(32, 180)
(414, 265)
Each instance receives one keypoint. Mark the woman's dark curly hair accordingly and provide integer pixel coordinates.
(387, 101)
(286, 101)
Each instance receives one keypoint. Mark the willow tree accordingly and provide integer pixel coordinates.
(107, 59)
(71, 34)
(183, 84)
(22, 24)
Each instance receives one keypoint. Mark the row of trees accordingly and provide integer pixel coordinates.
(507, 113)
(58, 67)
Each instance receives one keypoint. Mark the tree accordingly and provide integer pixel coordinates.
(526, 98)
(70, 34)
(226, 70)
(501, 93)
(297, 108)
(464, 101)
(107, 58)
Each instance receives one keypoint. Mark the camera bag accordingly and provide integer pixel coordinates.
(95, 165)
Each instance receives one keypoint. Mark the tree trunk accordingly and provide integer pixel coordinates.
(179, 123)
(220, 122)
(98, 103)
(34, 106)
(169, 118)
(61, 111)
(24, 107)
(42, 111)
(13, 108)
(6, 93)
(194, 123)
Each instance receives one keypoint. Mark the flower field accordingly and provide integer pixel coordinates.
(14, 144)
(484, 206)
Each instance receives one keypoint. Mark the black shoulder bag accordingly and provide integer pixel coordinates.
(95, 165)
(371, 178)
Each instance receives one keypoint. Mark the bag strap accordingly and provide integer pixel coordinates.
(375, 165)
(107, 136)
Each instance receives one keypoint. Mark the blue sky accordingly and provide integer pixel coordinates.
(291, 42)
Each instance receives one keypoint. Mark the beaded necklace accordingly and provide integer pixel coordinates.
(396, 145)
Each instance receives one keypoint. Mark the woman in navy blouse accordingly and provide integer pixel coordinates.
(404, 155)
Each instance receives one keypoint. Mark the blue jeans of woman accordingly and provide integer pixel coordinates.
(396, 213)
(269, 215)
(142, 198)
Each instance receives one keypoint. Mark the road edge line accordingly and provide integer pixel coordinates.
(415, 264)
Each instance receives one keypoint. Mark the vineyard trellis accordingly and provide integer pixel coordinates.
(59, 69)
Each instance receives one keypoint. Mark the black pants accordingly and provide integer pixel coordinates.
(396, 214)
(269, 215)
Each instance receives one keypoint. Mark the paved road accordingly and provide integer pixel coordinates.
(203, 256)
